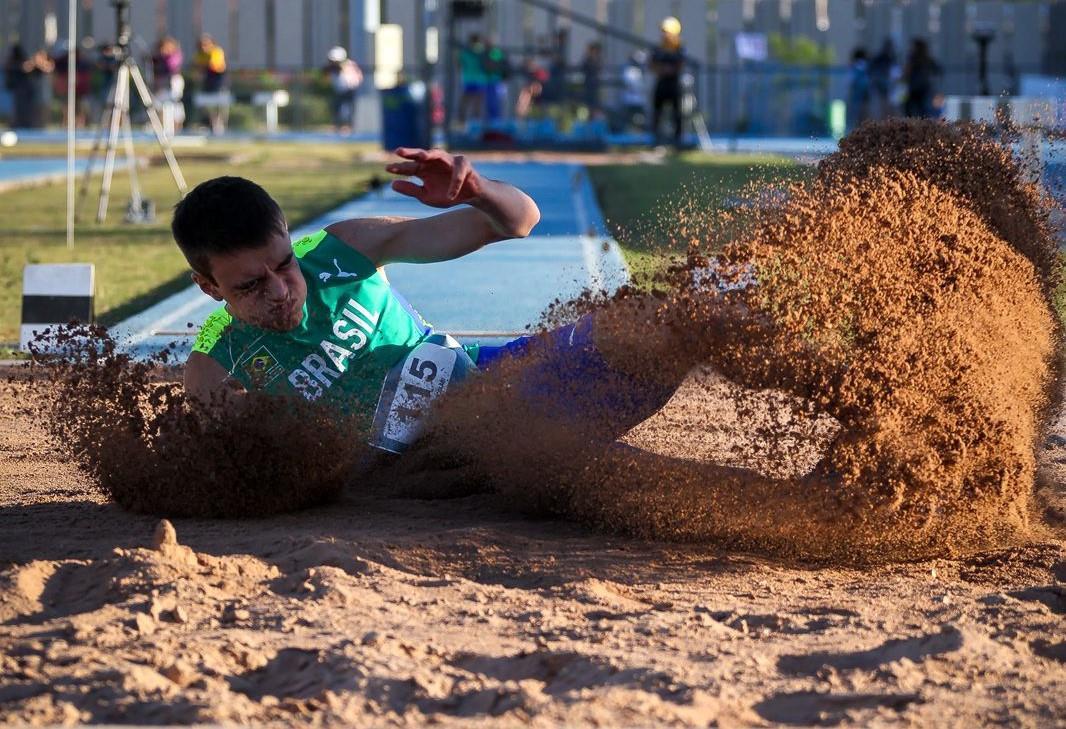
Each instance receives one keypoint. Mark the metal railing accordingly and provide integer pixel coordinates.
(770, 99)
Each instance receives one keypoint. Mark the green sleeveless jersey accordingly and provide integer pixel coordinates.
(354, 329)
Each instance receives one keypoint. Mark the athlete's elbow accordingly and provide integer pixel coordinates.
(528, 221)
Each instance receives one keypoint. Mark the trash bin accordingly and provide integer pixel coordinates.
(404, 116)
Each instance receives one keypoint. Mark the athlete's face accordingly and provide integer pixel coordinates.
(262, 286)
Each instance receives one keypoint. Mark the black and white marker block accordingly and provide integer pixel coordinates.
(55, 294)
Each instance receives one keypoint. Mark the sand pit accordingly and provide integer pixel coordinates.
(385, 611)
(881, 398)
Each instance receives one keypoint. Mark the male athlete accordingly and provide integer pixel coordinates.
(317, 318)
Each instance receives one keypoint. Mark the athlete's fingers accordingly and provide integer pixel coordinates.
(410, 153)
(402, 168)
(459, 174)
(421, 155)
(406, 187)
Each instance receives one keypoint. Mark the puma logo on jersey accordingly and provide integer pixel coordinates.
(326, 275)
(351, 333)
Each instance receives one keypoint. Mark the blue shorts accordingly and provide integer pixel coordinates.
(568, 379)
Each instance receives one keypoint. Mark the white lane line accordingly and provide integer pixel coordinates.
(580, 211)
(163, 322)
(592, 262)
(588, 243)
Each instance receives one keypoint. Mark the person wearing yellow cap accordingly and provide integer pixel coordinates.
(667, 63)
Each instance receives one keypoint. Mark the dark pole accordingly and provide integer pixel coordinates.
(444, 53)
(270, 23)
(422, 77)
(345, 32)
(123, 27)
(983, 39)
(431, 20)
(307, 41)
(420, 40)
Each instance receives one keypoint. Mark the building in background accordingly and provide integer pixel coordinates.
(738, 90)
(1028, 41)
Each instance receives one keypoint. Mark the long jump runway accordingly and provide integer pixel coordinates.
(15, 171)
(488, 296)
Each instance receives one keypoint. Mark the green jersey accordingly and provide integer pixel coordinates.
(472, 65)
(354, 330)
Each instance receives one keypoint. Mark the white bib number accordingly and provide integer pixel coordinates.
(410, 389)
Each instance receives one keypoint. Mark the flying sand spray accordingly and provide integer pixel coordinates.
(906, 293)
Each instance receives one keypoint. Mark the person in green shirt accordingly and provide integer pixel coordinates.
(497, 71)
(318, 319)
(473, 77)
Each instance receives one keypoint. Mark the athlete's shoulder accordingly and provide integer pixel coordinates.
(212, 330)
(370, 237)
(326, 244)
(308, 243)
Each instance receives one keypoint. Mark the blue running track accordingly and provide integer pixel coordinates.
(17, 170)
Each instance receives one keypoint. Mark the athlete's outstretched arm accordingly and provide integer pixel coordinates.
(497, 211)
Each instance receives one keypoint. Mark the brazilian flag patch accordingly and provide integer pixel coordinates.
(262, 368)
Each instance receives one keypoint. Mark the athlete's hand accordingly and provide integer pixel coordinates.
(447, 179)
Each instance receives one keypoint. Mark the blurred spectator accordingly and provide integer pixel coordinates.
(210, 61)
(345, 78)
(919, 75)
(858, 89)
(88, 61)
(168, 83)
(555, 90)
(634, 95)
(533, 77)
(17, 81)
(473, 79)
(884, 72)
(591, 75)
(667, 63)
(83, 67)
(102, 80)
(497, 71)
(26, 78)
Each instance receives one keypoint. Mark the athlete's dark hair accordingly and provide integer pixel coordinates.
(224, 215)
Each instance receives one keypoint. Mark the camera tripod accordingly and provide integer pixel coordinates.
(116, 118)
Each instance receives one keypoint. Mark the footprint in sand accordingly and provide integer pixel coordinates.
(916, 649)
(806, 708)
(568, 672)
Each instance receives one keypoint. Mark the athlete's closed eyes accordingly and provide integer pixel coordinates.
(249, 286)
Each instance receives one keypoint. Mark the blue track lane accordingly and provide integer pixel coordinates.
(26, 170)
